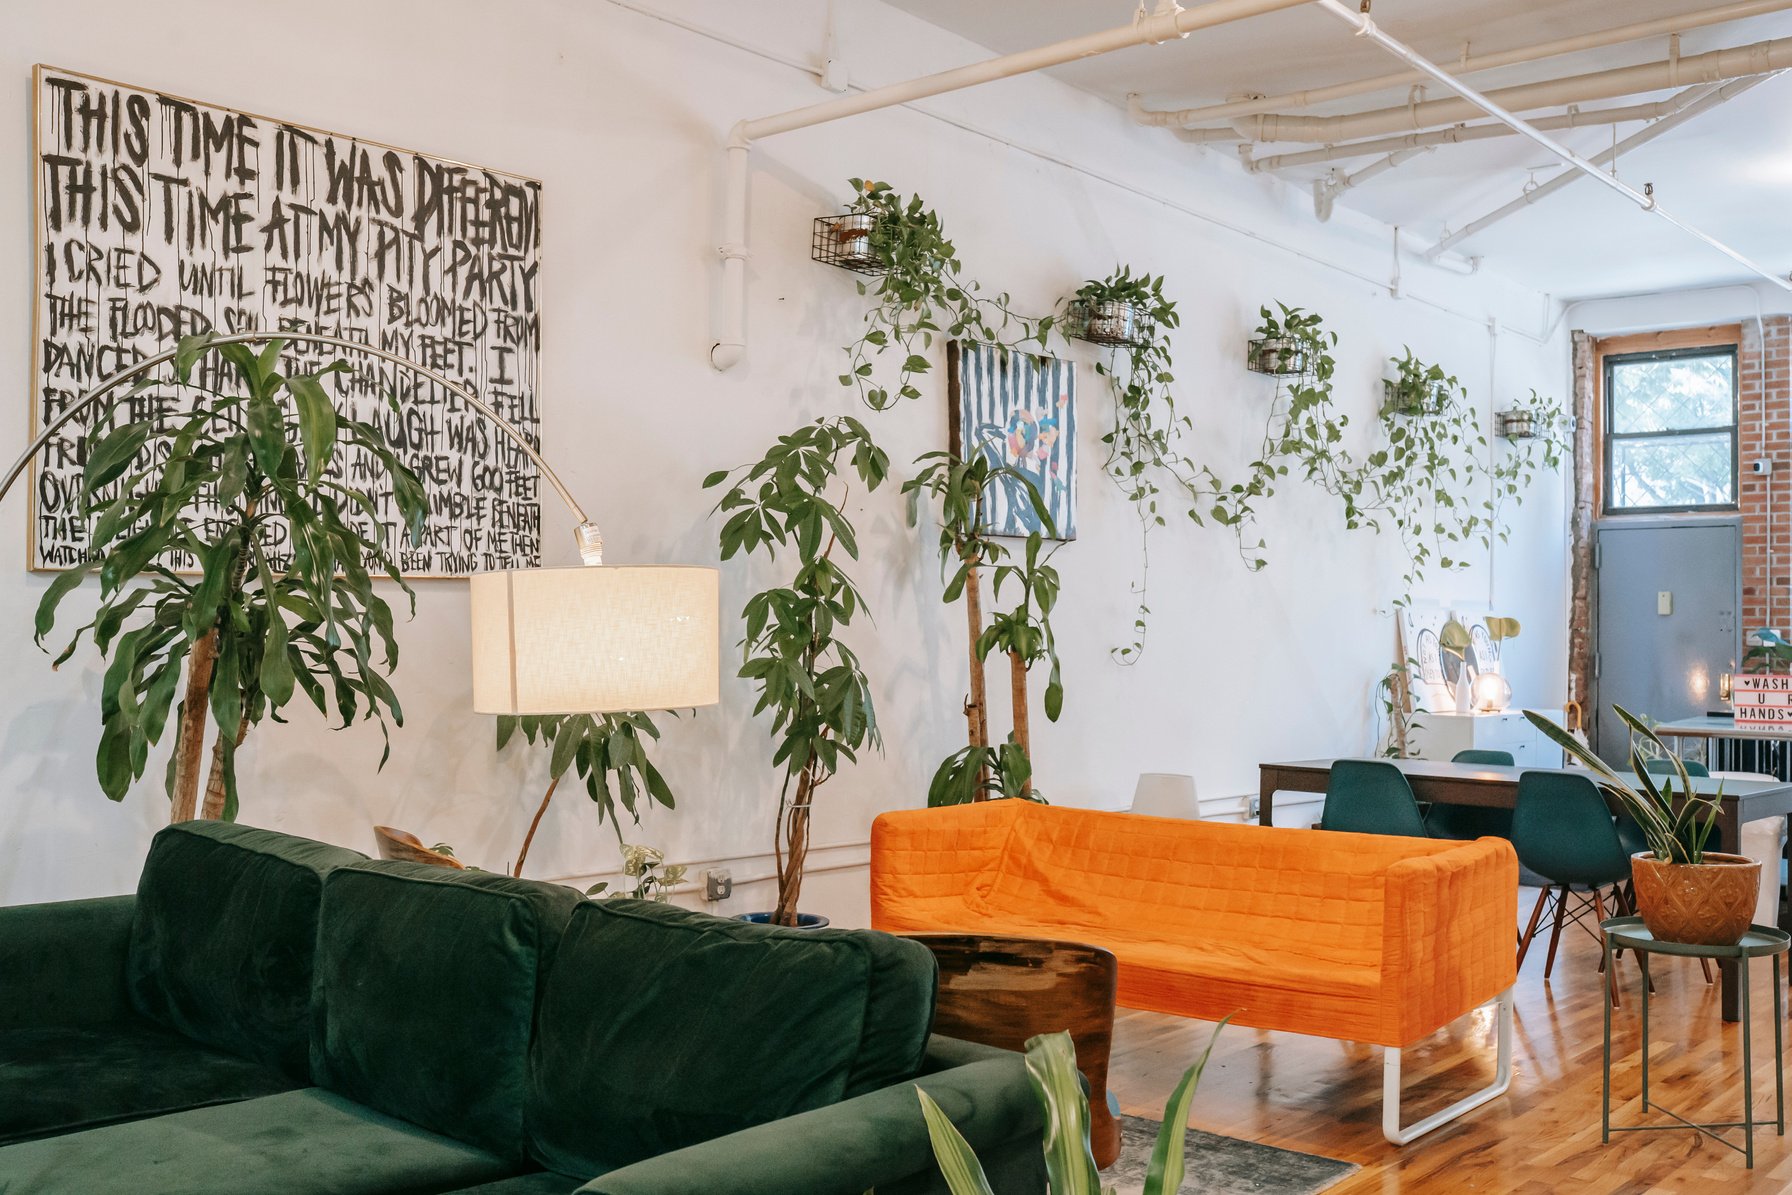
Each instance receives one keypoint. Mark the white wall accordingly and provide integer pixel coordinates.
(622, 114)
(1743, 301)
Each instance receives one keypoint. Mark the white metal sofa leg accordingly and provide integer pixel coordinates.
(1502, 1079)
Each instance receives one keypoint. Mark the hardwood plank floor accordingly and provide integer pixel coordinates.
(1541, 1137)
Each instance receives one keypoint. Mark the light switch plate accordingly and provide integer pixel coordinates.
(1664, 602)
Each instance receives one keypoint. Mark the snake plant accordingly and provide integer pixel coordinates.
(1069, 1162)
(1675, 834)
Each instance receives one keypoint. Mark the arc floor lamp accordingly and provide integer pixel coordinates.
(589, 639)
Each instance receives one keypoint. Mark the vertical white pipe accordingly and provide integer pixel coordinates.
(731, 322)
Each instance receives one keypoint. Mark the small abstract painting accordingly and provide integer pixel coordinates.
(1019, 410)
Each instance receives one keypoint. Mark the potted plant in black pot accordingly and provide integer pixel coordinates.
(1684, 892)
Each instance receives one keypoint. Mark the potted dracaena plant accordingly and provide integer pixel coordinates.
(1069, 1161)
(791, 505)
(1684, 892)
(252, 627)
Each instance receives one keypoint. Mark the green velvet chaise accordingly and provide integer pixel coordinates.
(270, 1014)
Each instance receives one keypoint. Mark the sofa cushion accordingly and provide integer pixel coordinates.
(308, 1142)
(221, 949)
(426, 990)
(661, 1027)
(59, 1080)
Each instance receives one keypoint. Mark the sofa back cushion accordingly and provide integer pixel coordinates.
(1316, 892)
(226, 927)
(661, 1028)
(427, 980)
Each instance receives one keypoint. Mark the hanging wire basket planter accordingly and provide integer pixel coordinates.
(1107, 321)
(1517, 424)
(1406, 398)
(845, 241)
(1277, 356)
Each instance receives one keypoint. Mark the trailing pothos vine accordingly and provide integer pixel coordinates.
(920, 291)
(1143, 447)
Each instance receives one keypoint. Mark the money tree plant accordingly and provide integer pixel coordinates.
(281, 597)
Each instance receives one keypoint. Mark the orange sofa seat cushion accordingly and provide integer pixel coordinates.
(1361, 937)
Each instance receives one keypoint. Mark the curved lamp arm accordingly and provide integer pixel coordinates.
(590, 542)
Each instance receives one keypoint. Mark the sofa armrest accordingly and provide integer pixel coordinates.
(1448, 935)
(874, 1140)
(925, 860)
(63, 964)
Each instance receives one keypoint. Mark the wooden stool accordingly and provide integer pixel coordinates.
(1002, 991)
(402, 844)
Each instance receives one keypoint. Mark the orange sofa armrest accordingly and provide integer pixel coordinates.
(1449, 928)
(923, 861)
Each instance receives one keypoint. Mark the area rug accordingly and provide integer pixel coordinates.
(1222, 1165)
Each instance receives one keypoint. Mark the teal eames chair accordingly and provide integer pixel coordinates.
(1564, 832)
(1370, 796)
(1469, 822)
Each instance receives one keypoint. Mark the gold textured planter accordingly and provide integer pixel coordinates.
(1703, 904)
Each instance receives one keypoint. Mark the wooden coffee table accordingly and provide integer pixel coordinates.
(1002, 991)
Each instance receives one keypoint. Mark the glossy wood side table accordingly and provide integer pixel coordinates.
(1001, 991)
(1629, 933)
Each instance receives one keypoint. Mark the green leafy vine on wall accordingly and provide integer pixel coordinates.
(919, 292)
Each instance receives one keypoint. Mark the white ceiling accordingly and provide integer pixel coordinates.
(1728, 172)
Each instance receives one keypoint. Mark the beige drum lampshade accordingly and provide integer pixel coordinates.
(595, 639)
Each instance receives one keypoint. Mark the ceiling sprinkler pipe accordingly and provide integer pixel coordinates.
(1644, 199)
(1252, 105)
(1717, 66)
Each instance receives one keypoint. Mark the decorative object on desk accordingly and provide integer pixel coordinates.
(1492, 693)
(1018, 412)
(1227, 1164)
(792, 504)
(1762, 701)
(1166, 794)
(1768, 651)
(1683, 892)
(264, 448)
(642, 865)
(1069, 1164)
(269, 221)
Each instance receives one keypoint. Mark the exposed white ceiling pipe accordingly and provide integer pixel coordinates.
(1480, 132)
(1643, 199)
(1663, 26)
(1327, 190)
(1167, 22)
(1698, 107)
(1761, 58)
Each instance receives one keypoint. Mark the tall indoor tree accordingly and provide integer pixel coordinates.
(225, 488)
(791, 504)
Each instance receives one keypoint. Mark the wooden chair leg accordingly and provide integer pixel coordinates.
(1530, 931)
(1555, 935)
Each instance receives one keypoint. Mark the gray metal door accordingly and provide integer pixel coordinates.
(1665, 624)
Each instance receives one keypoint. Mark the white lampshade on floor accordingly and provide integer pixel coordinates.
(595, 639)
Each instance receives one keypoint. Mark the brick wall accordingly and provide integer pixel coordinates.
(1765, 430)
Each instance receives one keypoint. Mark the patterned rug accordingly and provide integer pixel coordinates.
(1222, 1165)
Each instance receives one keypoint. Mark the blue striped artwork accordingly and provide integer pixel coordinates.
(1019, 410)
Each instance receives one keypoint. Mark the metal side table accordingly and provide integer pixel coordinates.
(1629, 933)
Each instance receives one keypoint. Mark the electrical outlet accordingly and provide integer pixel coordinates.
(718, 884)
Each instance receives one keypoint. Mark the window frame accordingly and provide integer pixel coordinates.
(1607, 437)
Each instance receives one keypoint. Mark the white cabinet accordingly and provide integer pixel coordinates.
(1440, 736)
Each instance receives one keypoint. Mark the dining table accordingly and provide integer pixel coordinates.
(1488, 785)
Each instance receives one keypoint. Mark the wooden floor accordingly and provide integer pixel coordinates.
(1541, 1138)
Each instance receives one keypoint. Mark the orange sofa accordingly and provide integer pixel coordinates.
(1359, 937)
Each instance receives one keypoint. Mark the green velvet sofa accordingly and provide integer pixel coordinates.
(271, 1014)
